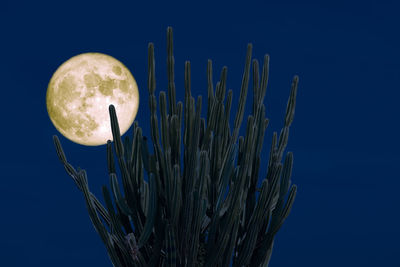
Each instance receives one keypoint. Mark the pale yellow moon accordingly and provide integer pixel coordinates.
(80, 91)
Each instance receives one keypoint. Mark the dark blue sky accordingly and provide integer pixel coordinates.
(344, 136)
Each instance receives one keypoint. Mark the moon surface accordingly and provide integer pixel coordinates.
(80, 91)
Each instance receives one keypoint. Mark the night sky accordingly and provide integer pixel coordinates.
(344, 138)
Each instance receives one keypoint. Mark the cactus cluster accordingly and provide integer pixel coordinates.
(198, 208)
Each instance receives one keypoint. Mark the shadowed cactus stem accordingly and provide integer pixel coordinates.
(198, 205)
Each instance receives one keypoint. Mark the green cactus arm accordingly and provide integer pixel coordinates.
(170, 245)
(116, 226)
(119, 199)
(152, 211)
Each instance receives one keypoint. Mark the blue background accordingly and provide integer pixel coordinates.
(345, 135)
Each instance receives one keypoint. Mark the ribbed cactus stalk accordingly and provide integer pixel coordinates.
(180, 215)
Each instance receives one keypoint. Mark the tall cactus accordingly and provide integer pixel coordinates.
(179, 216)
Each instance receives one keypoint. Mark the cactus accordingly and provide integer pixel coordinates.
(180, 215)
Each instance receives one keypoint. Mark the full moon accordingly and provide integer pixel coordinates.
(80, 91)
